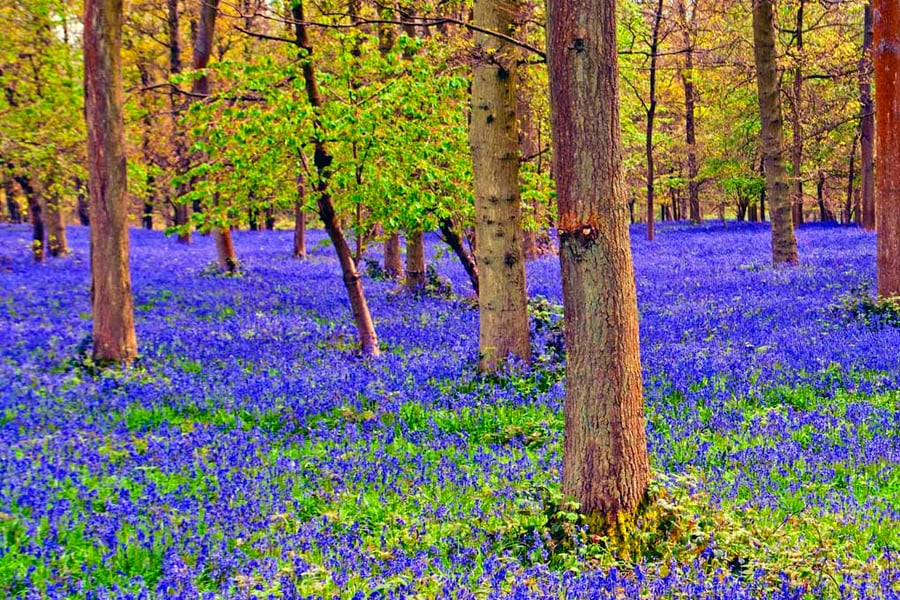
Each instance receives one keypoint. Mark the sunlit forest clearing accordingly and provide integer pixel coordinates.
(489, 300)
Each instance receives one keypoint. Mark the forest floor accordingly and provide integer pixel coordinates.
(252, 453)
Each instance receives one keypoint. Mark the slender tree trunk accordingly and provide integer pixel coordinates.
(113, 311)
(82, 204)
(528, 148)
(393, 260)
(415, 261)
(762, 191)
(57, 242)
(453, 239)
(753, 213)
(605, 464)
(797, 125)
(651, 116)
(270, 219)
(867, 125)
(322, 159)
(886, 27)
(300, 219)
(851, 176)
(784, 244)
(182, 214)
(493, 139)
(690, 97)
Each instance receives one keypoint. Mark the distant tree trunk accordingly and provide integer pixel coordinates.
(886, 27)
(415, 261)
(493, 139)
(762, 191)
(253, 219)
(182, 215)
(851, 176)
(57, 242)
(690, 95)
(36, 216)
(270, 219)
(797, 125)
(225, 255)
(826, 215)
(82, 204)
(147, 216)
(753, 213)
(867, 126)
(113, 311)
(12, 205)
(393, 260)
(651, 116)
(605, 464)
(784, 244)
(453, 239)
(300, 219)
(322, 159)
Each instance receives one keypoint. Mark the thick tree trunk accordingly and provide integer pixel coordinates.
(886, 27)
(867, 126)
(393, 260)
(784, 244)
(225, 256)
(36, 216)
(415, 261)
(57, 243)
(113, 311)
(454, 240)
(797, 125)
(493, 139)
(605, 463)
(368, 340)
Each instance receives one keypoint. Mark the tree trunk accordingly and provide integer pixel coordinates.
(57, 243)
(762, 191)
(270, 219)
(753, 213)
(867, 126)
(225, 256)
(453, 239)
(797, 125)
(182, 215)
(368, 339)
(605, 463)
(493, 139)
(690, 97)
(886, 26)
(651, 116)
(415, 261)
(36, 216)
(82, 204)
(784, 244)
(393, 261)
(851, 176)
(300, 219)
(113, 312)
(12, 205)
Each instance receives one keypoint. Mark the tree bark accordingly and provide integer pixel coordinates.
(415, 261)
(182, 214)
(867, 126)
(605, 463)
(651, 116)
(35, 215)
(82, 205)
(322, 159)
(886, 58)
(690, 97)
(784, 244)
(851, 176)
(454, 240)
(300, 219)
(393, 260)
(113, 312)
(493, 139)
(797, 125)
(57, 243)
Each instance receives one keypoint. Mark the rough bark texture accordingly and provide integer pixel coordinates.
(867, 126)
(415, 261)
(455, 241)
(886, 58)
(605, 464)
(368, 340)
(494, 142)
(797, 125)
(113, 312)
(393, 260)
(784, 244)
